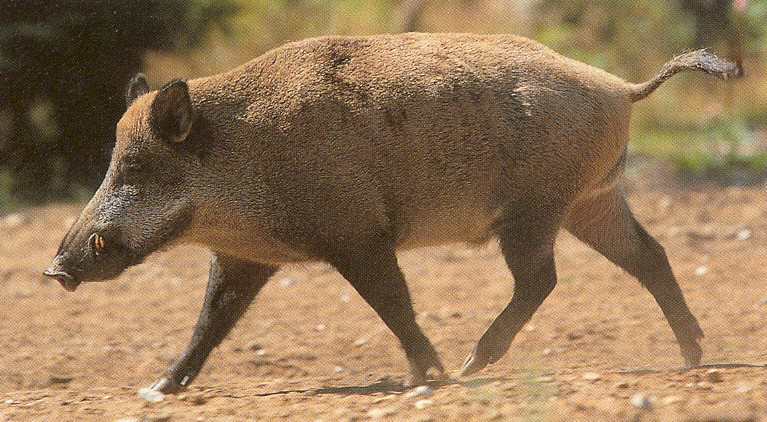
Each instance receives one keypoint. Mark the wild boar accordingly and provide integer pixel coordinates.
(347, 149)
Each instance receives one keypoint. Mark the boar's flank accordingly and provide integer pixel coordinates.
(345, 150)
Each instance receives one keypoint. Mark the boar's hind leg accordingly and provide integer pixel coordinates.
(606, 224)
(232, 285)
(528, 248)
(375, 274)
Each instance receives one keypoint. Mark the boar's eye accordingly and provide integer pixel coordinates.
(132, 171)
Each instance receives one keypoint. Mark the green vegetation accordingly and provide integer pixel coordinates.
(64, 65)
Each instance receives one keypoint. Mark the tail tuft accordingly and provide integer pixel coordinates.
(700, 60)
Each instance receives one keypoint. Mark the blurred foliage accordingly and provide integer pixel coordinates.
(64, 66)
(634, 38)
(63, 70)
(729, 153)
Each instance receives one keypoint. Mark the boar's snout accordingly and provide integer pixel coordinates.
(96, 257)
(65, 279)
(60, 271)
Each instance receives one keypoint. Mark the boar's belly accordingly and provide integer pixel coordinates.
(471, 225)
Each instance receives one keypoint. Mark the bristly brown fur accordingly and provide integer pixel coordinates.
(347, 149)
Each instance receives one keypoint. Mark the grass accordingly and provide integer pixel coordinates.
(727, 149)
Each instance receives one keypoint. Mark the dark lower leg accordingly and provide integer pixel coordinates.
(232, 285)
(533, 281)
(607, 225)
(376, 276)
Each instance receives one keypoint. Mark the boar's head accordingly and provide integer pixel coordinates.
(145, 200)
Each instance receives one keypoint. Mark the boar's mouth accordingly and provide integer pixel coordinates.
(68, 282)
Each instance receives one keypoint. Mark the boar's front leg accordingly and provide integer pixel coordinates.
(375, 274)
(231, 287)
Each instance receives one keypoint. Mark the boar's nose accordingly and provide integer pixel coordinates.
(68, 282)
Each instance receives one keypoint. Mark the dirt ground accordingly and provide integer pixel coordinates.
(311, 349)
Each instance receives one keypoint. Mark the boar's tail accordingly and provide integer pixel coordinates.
(692, 60)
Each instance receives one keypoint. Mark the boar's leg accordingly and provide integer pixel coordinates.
(528, 249)
(232, 285)
(375, 274)
(606, 224)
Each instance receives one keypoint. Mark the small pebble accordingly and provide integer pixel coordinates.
(338, 368)
(360, 341)
(640, 401)
(152, 396)
(546, 352)
(345, 298)
(591, 376)
(714, 375)
(382, 412)
(254, 346)
(320, 327)
(743, 388)
(701, 271)
(261, 352)
(287, 282)
(421, 390)
(422, 404)
(622, 384)
(743, 234)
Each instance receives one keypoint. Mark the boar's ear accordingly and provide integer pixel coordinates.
(137, 87)
(171, 112)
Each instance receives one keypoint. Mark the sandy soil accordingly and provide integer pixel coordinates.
(311, 349)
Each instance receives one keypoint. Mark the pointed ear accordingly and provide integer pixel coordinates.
(137, 87)
(171, 112)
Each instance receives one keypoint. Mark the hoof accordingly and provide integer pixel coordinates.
(473, 364)
(416, 380)
(167, 386)
(691, 350)
(692, 356)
